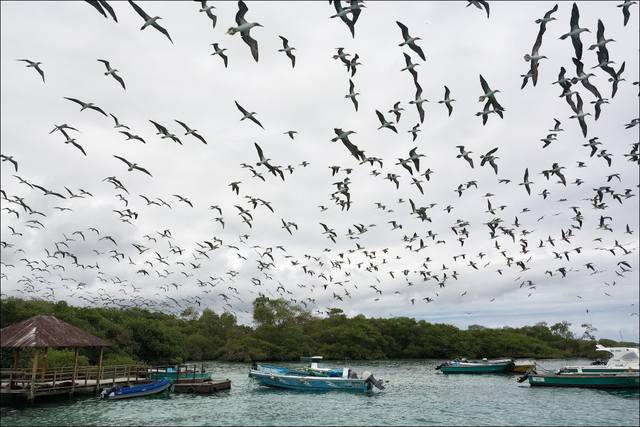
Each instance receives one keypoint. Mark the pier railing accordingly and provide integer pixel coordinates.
(60, 380)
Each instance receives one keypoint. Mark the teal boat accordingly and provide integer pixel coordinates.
(620, 371)
(483, 366)
(594, 380)
(179, 373)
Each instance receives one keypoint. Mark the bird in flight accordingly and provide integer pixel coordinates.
(35, 65)
(149, 21)
(132, 166)
(243, 27)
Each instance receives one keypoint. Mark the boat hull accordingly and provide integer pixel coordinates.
(183, 376)
(138, 390)
(587, 381)
(310, 383)
(477, 369)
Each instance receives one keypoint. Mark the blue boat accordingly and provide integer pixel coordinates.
(118, 392)
(313, 377)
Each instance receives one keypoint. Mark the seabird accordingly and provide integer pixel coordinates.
(207, 10)
(190, 131)
(625, 10)
(112, 72)
(286, 49)
(447, 101)
(248, 115)
(220, 52)
(35, 65)
(244, 29)
(87, 105)
(479, 4)
(149, 20)
(410, 41)
(580, 115)
(384, 122)
(418, 101)
(132, 166)
(575, 31)
(352, 94)
(396, 110)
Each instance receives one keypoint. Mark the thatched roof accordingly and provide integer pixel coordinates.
(47, 331)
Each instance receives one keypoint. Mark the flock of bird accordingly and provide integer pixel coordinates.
(158, 270)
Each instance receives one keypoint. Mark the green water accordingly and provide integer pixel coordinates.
(416, 394)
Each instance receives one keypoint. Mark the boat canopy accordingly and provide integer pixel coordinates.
(621, 357)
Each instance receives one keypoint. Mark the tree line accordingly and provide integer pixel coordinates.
(285, 331)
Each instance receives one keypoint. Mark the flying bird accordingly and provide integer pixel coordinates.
(243, 27)
(287, 49)
(132, 166)
(410, 41)
(248, 115)
(86, 105)
(149, 21)
(112, 72)
(35, 65)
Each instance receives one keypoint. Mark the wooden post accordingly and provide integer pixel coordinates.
(99, 378)
(44, 364)
(16, 362)
(75, 370)
(34, 370)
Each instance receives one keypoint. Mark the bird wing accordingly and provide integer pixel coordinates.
(404, 29)
(253, 44)
(79, 147)
(123, 159)
(77, 101)
(484, 84)
(186, 128)
(162, 30)
(199, 137)
(109, 9)
(139, 10)
(417, 49)
(39, 70)
(100, 110)
(141, 169)
(600, 33)
(160, 128)
(285, 42)
(242, 9)
(380, 117)
(242, 110)
(575, 16)
(95, 4)
(259, 150)
(106, 63)
(119, 79)
(253, 119)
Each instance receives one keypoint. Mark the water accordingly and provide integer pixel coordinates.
(416, 394)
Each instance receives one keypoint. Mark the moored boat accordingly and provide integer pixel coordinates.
(484, 366)
(179, 374)
(139, 390)
(313, 377)
(522, 366)
(620, 371)
(593, 380)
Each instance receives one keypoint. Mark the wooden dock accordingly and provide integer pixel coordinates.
(202, 387)
(22, 385)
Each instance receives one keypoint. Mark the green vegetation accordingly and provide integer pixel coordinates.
(284, 331)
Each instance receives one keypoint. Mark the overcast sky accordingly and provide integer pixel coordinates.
(182, 81)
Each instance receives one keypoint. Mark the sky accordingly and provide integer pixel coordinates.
(376, 273)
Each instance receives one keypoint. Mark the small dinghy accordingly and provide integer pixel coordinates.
(139, 390)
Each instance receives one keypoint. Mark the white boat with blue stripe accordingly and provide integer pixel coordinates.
(313, 377)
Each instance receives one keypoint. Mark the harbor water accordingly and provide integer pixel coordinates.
(416, 394)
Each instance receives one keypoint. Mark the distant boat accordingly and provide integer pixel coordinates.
(313, 377)
(182, 373)
(484, 366)
(139, 390)
(620, 371)
(523, 366)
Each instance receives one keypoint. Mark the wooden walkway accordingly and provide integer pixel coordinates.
(20, 384)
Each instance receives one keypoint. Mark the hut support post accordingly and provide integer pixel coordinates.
(99, 377)
(34, 370)
(75, 369)
(43, 369)
(16, 361)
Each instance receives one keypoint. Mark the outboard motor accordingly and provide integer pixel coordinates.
(441, 365)
(369, 378)
(526, 375)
